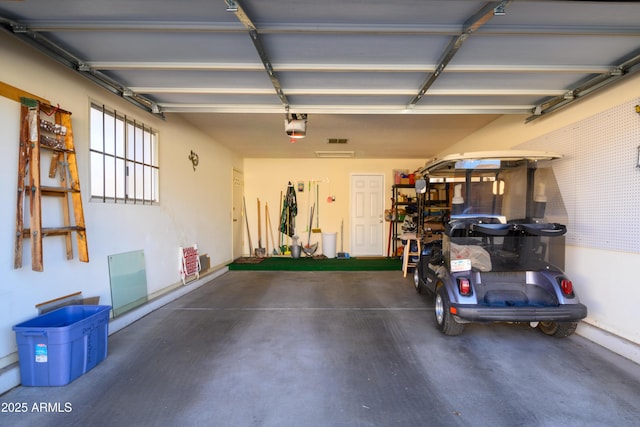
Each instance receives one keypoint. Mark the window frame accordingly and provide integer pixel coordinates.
(124, 165)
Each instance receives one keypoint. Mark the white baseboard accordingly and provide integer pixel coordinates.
(619, 345)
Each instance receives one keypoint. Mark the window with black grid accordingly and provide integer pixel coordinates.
(124, 158)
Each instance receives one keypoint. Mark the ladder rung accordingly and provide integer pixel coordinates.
(54, 231)
(58, 191)
(48, 189)
(61, 150)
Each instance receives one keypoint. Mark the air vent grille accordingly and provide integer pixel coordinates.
(335, 154)
(337, 141)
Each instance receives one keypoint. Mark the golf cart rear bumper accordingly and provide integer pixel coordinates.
(562, 313)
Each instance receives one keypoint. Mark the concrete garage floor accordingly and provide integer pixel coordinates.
(334, 349)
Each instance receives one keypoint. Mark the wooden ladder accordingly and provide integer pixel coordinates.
(47, 128)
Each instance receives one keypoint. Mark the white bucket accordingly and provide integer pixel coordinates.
(329, 244)
(295, 251)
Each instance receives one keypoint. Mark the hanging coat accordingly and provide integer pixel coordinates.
(289, 212)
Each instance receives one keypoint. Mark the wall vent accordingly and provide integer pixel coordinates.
(337, 141)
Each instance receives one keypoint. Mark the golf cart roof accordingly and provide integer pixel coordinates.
(484, 159)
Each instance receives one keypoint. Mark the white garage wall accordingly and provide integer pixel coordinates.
(195, 207)
(606, 282)
(600, 182)
(266, 178)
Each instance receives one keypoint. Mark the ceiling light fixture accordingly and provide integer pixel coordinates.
(295, 125)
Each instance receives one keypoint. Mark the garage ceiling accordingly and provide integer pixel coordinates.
(395, 78)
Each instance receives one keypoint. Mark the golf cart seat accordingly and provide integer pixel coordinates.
(549, 229)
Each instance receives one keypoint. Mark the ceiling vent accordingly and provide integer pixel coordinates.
(337, 141)
(335, 154)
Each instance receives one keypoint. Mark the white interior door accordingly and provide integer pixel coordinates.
(237, 215)
(367, 209)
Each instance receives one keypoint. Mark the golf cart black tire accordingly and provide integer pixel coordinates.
(445, 322)
(558, 329)
(417, 280)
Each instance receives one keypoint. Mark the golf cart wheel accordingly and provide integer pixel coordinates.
(417, 281)
(558, 329)
(444, 319)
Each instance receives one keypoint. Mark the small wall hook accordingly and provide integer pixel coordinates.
(194, 159)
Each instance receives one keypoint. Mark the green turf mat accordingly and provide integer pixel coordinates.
(319, 264)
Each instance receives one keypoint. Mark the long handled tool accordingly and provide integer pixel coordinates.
(389, 241)
(310, 249)
(316, 206)
(280, 233)
(246, 221)
(342, 254)
(266, 224)
(267, 216)
(260, 250)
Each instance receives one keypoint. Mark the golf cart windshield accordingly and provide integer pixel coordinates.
(506, 212)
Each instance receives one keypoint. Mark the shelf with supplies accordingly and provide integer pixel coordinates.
(435, 205)
(420, 213)
(401, 215)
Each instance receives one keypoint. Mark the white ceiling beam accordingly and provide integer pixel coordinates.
(345, 109)
(288, 67)
(325, 28)
(205, 90)
(133, 25)
(558, 31)
(586, 68)
(265, 28)
(212, 66)
(348, 91)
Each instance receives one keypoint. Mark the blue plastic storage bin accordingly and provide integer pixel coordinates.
(57, 347)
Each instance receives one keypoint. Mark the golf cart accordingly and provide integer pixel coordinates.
(498, 253)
